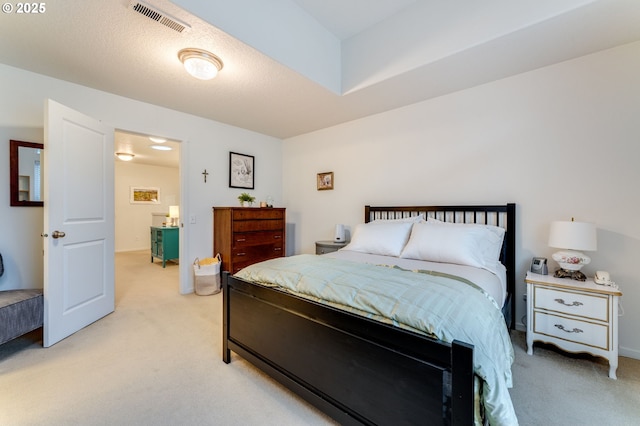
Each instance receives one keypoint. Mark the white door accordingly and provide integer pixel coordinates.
(79, 286)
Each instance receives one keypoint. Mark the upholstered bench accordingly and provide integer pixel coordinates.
(21, 311)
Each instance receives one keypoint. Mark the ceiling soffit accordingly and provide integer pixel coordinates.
(413, 34)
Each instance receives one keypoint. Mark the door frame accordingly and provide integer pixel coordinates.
(183, 270)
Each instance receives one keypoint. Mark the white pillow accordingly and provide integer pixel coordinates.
(445, 244)
(387, 239)
(411, 219)
(491, 246)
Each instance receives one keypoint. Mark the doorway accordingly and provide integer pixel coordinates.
(147, 190)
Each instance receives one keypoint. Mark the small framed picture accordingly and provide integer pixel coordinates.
(241, 170)
(144, 195)
(325, 181)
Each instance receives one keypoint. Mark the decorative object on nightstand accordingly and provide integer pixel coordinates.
(539, 265)
(572, 237)
(574, 316)
(323, 247)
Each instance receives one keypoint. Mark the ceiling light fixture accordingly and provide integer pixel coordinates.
(200, 63)
(157, 139)
(124, 156)
(161, 147)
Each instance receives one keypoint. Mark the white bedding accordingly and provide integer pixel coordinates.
(494, 285)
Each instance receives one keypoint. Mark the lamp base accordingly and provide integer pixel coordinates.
(574, 275)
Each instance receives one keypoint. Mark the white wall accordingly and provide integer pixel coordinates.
(560, 142)
(132, 221)
(20, 227)
(206, 145)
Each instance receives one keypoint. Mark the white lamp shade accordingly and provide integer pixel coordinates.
(174, 211)
(573, 235)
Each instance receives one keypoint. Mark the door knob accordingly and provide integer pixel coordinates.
(57, 234)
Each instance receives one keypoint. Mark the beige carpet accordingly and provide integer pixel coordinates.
(157, 361)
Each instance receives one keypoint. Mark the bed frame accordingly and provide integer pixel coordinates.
(357, 370)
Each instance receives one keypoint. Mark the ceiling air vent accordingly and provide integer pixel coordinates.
(158, 16)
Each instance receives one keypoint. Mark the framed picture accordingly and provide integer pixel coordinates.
(325, 181)
(144, 195)
(241, 170)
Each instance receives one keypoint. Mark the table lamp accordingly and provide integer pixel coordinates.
(572, 237)
(174, 214)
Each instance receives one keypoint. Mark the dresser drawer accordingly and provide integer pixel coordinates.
(250, 214)
(258, 225)
(245, 239)
(584, 305)
(572, 330)
(256, 253)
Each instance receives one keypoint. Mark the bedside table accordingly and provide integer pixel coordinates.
(573, 315)
(323, 247)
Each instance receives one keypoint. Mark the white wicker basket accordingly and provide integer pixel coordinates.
(206, 274)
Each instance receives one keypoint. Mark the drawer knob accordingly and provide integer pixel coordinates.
(561, 301)
(575, 330)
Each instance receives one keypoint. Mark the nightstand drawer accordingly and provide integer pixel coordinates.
(571, 330)
(586, 306)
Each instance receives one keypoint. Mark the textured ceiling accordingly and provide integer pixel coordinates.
(383, 54)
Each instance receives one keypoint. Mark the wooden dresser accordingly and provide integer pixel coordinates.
(246, 235)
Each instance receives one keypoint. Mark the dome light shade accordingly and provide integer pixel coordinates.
(200, 63)
(124, 156)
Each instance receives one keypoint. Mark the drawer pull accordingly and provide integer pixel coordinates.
(239, 240)
(575, 330)
(277, 249)
(561, 301)
(241, 254)
(277, 236)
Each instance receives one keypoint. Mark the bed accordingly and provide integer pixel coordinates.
(360, 368)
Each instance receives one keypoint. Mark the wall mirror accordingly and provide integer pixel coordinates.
(26, 173)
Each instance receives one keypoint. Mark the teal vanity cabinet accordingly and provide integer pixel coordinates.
(164, 243)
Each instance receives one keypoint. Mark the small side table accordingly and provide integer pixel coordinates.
(323, 247)
(165, 243)
(575, 316)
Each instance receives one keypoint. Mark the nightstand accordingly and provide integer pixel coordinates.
(575, 316)
(323, 247)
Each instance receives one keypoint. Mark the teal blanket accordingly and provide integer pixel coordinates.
(431, 303)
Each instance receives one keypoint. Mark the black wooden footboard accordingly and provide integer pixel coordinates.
(356, 370)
